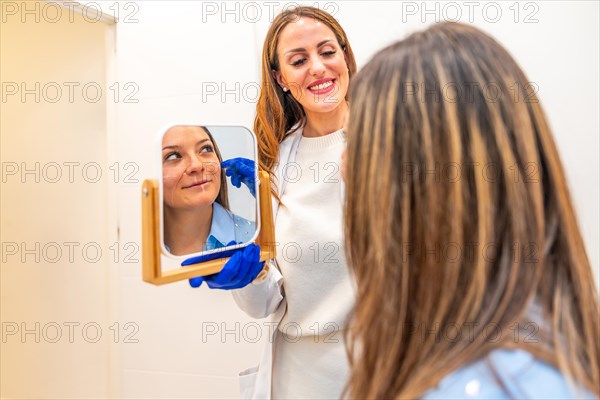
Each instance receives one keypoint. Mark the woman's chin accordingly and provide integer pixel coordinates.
(193, 204)
(202, 203)
(324, 106)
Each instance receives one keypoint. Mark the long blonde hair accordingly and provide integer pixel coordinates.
(277, 112)
(458, 216)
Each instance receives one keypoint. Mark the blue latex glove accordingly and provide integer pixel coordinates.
(241, 269)
(241, 170)
(196, 282)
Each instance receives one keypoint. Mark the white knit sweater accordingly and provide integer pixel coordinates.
(308, 291)
(310, 252)
(310, 360)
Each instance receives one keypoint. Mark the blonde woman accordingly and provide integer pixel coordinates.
(474, 284)
(307, 63)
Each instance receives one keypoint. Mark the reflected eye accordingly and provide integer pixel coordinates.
(172, 156)
(207, 149)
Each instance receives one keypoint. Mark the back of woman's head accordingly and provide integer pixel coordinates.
(459, 225)
(277, 112)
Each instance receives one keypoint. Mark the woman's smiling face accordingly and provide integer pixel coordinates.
(312, 65)
(191, 168)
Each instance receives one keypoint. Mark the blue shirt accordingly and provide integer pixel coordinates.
(523, 375)
(227, 227)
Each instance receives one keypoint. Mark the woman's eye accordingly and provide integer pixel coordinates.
(172, 156)
(301, 61)
(298, 62)
(207, 149)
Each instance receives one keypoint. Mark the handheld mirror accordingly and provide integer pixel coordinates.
(206, 204)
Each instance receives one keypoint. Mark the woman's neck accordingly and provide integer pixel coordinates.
(187, 229)
(321, 124)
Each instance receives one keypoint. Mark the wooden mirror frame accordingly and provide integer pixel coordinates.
(151, 252)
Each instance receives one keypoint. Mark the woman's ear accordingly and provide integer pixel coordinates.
(277, 76)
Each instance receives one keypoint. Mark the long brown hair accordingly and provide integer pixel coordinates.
(222, 197)
(458, 217)
(277, 112)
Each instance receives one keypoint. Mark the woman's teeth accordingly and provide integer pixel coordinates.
(321, 86)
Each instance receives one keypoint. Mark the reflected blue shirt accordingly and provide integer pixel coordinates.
(523, 376)
(227, 227)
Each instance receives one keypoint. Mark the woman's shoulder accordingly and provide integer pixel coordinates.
(286, 150)
(505, 374)
(244, 229)
(227, 226)
(293, 135)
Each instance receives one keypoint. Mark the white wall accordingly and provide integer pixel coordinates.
(177, 61)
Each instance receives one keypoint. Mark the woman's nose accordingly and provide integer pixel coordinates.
(195, 165)
(317, 67)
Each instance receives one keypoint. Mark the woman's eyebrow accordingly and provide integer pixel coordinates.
(176, 146)
(299, 49)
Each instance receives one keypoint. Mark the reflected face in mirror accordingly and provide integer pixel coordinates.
(208, 201)
(194, 185)
(191, 168)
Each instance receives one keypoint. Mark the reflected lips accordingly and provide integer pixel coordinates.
(197, 184)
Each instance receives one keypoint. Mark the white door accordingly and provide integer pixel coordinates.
(56, 223)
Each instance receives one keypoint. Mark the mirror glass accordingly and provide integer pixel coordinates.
(208, 189)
